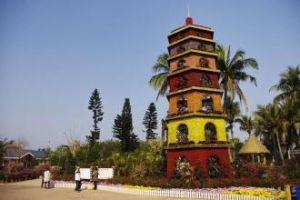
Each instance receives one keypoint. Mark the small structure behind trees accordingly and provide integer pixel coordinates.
(254, 150)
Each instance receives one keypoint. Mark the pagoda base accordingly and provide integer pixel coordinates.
(198, 156)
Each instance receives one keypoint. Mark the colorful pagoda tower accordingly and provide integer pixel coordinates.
(195, 124)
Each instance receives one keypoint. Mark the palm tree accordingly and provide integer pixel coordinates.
(159, 81)
(233, 111)
(291, 115)
(289, 84)
(269, 119)
(289, 98)
(233, 71)
(246, 123)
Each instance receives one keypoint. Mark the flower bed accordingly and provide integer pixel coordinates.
(230, 193)
(257, 192)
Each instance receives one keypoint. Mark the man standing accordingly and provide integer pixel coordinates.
(47, 178)
(94, 176)
(77, 179)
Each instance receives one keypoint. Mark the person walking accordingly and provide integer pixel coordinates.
(77, 179)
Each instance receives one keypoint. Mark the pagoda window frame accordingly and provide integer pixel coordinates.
(182, 82)
(212, 135)
(182, 105)
(202, 47)
(180, 49)
(181, 63)
(182, 134)
(207, 104)
(205, 81)
(213, 163)
(204, 62)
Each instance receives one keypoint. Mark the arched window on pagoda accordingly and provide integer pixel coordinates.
(205, 81)
(182, 168)
(180, 49)
(182, 106)
(210, 132)
(181, 63)
(203, 62)
(182, 82)
(182, 134)
(213, 166)
(207, 104)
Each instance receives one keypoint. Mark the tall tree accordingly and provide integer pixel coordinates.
(3, 144)
(95, 105)
(289, 100)
(161, 70)
(246, 123)
(270, 123)
(150, 122)
(289, 84)
(233, 111)
(233, 72)
(123, 129)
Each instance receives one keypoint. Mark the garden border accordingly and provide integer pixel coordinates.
(180, 193)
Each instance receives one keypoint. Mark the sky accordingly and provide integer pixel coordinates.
(54, 53)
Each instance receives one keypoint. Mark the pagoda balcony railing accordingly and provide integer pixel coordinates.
(208, 85)
(185, 85)
(210, 111)
(189, 112)
(201, 144)
(179, 112)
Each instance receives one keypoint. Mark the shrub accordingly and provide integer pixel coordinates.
(251, 170)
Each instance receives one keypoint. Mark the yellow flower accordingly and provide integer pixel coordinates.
(259, 192)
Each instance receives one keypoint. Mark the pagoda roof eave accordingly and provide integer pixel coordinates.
(190, 37)
(190, 26)
(192, 51)
(193, 68)
(195, 114)
(217, 90)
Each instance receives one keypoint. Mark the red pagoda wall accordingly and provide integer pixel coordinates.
(199, 156)
(193, 78)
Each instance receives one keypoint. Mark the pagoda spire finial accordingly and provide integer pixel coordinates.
(188, 9)
(188, 20)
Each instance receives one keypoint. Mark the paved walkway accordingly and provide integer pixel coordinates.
(30, 190)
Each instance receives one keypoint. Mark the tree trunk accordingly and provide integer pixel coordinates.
(279, 148)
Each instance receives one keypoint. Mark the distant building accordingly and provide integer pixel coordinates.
(28, 157)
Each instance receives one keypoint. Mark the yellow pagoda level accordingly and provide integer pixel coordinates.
(195, 123)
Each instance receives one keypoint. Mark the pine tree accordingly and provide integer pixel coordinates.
(150, 121)
(123, 129)
(95, 105)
